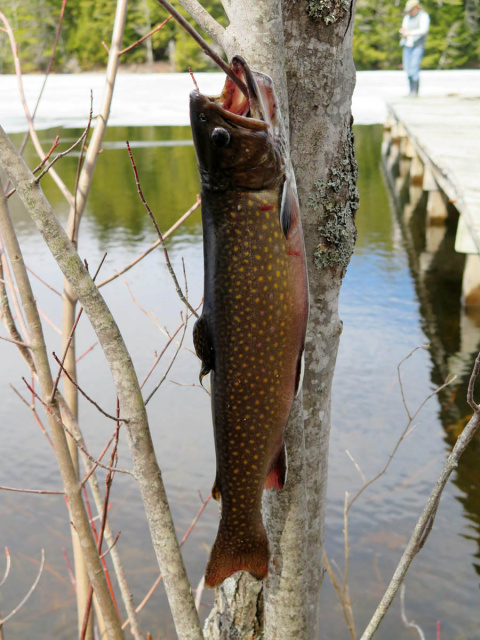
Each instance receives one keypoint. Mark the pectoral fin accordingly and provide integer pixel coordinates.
(290, 210)
(203, 346)
(300, 373)
(216, 495)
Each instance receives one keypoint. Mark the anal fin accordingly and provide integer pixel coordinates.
(277, 474)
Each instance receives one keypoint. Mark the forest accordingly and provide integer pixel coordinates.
(453, 41)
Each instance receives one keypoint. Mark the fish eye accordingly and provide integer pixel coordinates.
(220, 137)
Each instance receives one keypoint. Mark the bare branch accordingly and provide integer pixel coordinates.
(39, 166)
(204, 46)
(37, 491)
(17, 342)
(36, 142)
(29, 592)
(105, 553)
(425, 521)
(146, 468)
(179, 345)
(67, 151)
(70, 338)
(154, 245)
(150, 33)
(404, 434)
(7, 567)
(43, 281)
(182, 542)
(84, 394)
(409, 624)
(159, 233)
(74, 438)
(471, 385)
(23, 331)
(205, 20)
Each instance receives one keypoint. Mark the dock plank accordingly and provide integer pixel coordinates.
(446, 131)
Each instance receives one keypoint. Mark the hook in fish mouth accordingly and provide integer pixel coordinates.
(257, 112)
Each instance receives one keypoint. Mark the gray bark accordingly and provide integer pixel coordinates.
(321, 79)
(305, 46)
(72, 487)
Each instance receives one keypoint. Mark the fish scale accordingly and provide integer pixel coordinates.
(253, 295)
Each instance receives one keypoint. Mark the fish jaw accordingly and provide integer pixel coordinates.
(237, 140)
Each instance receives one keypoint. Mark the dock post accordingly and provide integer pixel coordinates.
(415, 190)
(436, 206)
(471, 281)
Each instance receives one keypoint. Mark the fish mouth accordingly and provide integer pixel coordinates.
(256, 112)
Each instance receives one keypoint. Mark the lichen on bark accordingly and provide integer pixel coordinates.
(330, 11)
(335, 201)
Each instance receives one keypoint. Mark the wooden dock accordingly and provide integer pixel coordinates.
(431, 149)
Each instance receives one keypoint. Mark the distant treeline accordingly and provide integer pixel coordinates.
(453, 40)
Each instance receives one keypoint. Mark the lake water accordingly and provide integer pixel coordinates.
(386, 312)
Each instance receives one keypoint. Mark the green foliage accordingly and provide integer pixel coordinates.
(89, 22)
(452, 42)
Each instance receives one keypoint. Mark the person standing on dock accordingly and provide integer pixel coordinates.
(414, 31)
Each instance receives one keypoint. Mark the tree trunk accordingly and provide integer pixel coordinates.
(321, 79)
(306, 47)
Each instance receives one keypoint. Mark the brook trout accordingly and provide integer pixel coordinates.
(251, 332)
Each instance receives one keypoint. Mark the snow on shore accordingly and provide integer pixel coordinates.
(146, 99)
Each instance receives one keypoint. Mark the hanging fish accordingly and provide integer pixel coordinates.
(251, 333)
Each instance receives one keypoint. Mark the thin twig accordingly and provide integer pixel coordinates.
(31, 406)
(69, 569)
(425, 521)
(108, 485)
(37, 491)
(39, 166)
(105, 553)
(48, 321)
(338, 589)
(405, 432)
(43, 281)
(159, 233)
(84, 394)
(76, 440)
(182, 542)
(204, 46)
(69, 150)
(36, 142)
(409, 624)
(150, 33)
(199, 593)
(7, 567)
(92, 469)
(471, 385)
(17, 342)
(193, 79)
(70, 337)
(170, 365)
(29, 592)
(154, 245)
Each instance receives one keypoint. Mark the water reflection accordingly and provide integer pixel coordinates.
(386, 314)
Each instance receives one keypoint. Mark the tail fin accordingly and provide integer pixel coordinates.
(229, 556)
